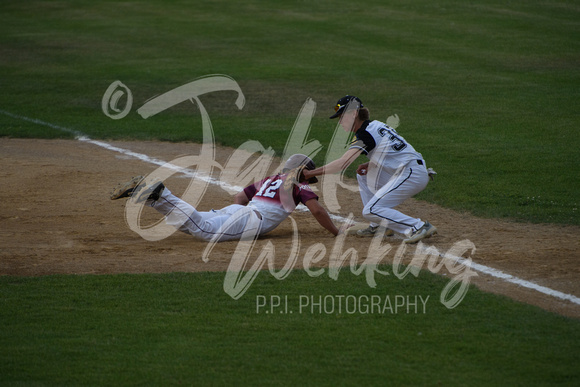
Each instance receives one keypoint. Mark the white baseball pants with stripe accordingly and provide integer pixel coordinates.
(225, 224)
(380, 194)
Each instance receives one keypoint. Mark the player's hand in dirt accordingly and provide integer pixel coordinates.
(345, 226)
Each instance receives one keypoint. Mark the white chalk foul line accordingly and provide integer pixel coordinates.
(140, 156)
(514, 280)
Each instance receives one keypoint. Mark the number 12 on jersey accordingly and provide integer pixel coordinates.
(270, 188)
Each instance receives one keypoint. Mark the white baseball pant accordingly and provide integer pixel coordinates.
(225, 224)
(380, 194)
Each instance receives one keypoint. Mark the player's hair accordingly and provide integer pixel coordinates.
(364, 114)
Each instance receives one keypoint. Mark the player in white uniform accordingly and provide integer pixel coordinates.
(394, 173)
(259, 208)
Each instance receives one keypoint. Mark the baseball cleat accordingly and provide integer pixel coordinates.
(152, 192)
(370, 231)
(126, 190)
(134, 188)
(426, 231)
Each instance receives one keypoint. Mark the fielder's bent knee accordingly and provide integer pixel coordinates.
(366, 213)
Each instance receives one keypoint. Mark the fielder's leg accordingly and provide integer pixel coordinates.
(365, 192)
(408, 182)
(369, 184)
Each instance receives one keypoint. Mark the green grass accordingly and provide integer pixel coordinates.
(487, 92)
(183, 329)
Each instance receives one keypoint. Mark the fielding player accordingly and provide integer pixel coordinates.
(259, 208)
(394, 173)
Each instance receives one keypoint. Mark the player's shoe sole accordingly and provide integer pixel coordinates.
(125, 190)
(134, 188)
(426, 231)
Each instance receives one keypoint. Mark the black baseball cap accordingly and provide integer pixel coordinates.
(341, 104)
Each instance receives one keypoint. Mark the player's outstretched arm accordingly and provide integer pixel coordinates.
(322, 216)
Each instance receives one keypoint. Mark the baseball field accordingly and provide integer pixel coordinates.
(487, 92)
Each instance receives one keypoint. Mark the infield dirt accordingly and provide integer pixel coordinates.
(56, 218)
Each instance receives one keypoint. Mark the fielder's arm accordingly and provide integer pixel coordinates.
(335, 166)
